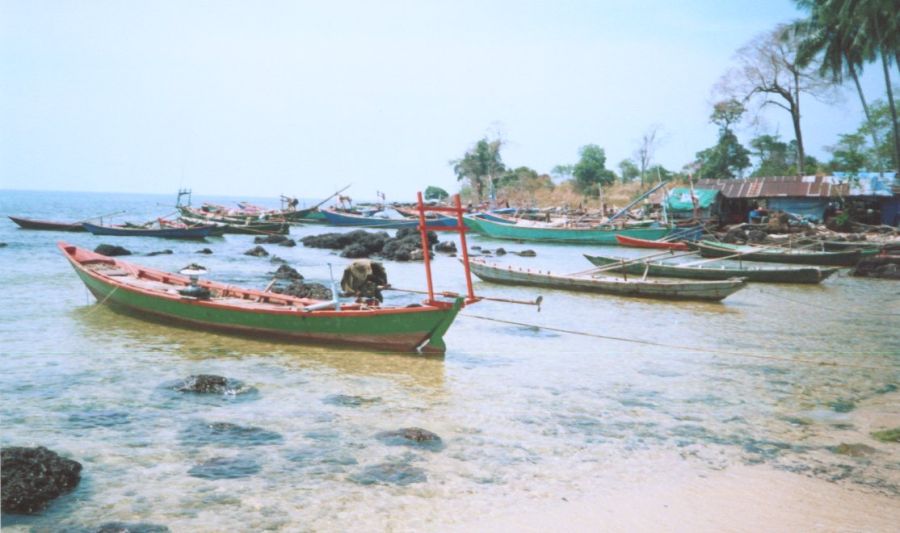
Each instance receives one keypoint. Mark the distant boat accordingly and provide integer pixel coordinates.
(209, 305)
(634, 242)
(244, 228)
(669, 290)
(27, 223)
(336, 218)
(544, 233)
(763, 274)
(193, 232)
(782, 255)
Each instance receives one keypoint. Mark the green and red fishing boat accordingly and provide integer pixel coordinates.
(209, 305)
(538, 232)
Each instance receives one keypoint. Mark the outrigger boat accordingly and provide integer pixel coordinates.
(543, 233)
(192, 232)
(634, 242)
(46, 225)
(188, 302)
(782, 255)
(708, 271)
(337, 218)
(670, 290)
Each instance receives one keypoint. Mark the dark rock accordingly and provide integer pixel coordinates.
(527, 253)
(735, 236)
(417, 437)
(131, 527)
(476, 247)
(257, 251)
(355, 251)
(853, 450)
(349, 401)
(201, 433)
(756, 236)
(878, 266)
(204, 384)
(288, 243)
(2, 245)
(111, 250)
(445, 246)
(32, 477)
(404, 233)
(161, 252)
(371, 241)
(226, 468)
(270, 239)
(390, 474)
(361, 244)
(194, 266)
(485, 251)
(205, 251)
(276, 259)
(500, 251)
(288, 273)
(302, 289)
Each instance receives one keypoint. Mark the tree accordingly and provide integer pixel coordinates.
(773, 156)
(647, 148)
(659, 173)
(481, 165)
(562, 172)
(436, 193)
(848, 155)
(628, 170)
(590, 172)
(728, 158)
(769, 74)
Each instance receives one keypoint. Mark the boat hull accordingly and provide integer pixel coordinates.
(674, 290)
(282, 228)
(561, 235)
(404, 329)
(46, 225)
(810, 275)
(196, 232)
(633, 242)
(340, 219)
(797, 257)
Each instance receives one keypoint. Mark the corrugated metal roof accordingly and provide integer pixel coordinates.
(865, 184)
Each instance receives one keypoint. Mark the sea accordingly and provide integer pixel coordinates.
(588, 392)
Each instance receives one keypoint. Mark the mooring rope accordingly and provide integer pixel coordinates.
(714, 351)
(100, 303)
(843, 310)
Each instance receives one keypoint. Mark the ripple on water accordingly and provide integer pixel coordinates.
(226, 468)
(98, 419)
(345, 400)
(393, 471)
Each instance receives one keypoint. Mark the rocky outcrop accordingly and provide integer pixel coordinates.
(32, 477)
(257, 251)
(160, 252)
(879, 266)
(204, 251)
(405, 246)
(111, 250)
(412, 436)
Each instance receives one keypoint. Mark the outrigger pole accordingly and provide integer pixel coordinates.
(460, 228)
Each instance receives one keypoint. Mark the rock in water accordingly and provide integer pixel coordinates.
(417, 437)
(131, 527)
(527, 253)
(446, 247)
(270, 239)
(257, 251)
(205, 251)
(161, 252)
(32, 477)
(288, 243)
(885, 267)
(287, 272)
(204, 384)
(111, 250)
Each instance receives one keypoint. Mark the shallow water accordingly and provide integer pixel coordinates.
(523, 413)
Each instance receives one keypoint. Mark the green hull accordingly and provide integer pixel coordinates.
(762, 275)
(561, 235)
(797, 257)
(404, 329)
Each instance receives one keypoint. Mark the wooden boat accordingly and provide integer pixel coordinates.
(710, 271)
(194, 232)
(152, 293)
(245, 228)
(634, 242)
(336, 218)
(779, 255)
(542, 233)
(46, 225)
(670, 290)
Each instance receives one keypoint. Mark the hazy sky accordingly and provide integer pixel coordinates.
(258, 98)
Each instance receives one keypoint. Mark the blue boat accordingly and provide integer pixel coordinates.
(336, 218)
(192, 232)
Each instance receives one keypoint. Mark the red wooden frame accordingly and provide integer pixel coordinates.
(460, 227)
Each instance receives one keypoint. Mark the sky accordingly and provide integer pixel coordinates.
(259, 98)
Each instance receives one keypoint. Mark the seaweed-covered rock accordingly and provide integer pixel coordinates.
(445, 246)
(276, 259)
(404, 233)
(32, 477)
(160, 252)
(355, 251)
(131, 527)
(878, 266)
(526, 253)
(270, 239)
(111, 250)
(500, 251)
(204, 251)
(257, 251)
(371, 241)
(201, 433)
(288, 243)
(417, 437)
(361, 244)
(287, 272)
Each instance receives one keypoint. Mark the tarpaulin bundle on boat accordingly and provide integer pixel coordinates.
(363, 278)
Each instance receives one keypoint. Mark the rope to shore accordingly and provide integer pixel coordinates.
(100, 303)
(844, 310)
(714, 351)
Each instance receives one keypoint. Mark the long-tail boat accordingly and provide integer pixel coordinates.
(709, 271)
(192, 232)
(203, 304)
(669, 290)
(634, 242)
(781, 255)
(46, 225)
(242, 228)
(337, 218)
(543, 233)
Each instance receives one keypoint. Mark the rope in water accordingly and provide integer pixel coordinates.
(100, 303)
(715, 351)
(857, 311)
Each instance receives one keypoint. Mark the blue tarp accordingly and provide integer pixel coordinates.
(811, 208)
(867, 183)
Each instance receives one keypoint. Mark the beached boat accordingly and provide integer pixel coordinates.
(244, 228)
(634, 242)
(663, 289)
(193, 232)
(46, 225)
(781, 255)
(714, 271)
(543, 233)
(337, 218)
(162, 295)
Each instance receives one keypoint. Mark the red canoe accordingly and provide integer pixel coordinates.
(644, 243)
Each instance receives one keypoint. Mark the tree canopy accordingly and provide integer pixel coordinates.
(480, 165)
(590, 172)
(436, 193)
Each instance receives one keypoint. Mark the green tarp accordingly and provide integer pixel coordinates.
(679, 199)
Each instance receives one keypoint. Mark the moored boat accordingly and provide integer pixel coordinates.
(337, 218)
(241, 228)
(809, 274)
(193, 232)
(634, 242)
(781, 255)
(46, 225)
(162, 295)
(543, 233)
(662, 289)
